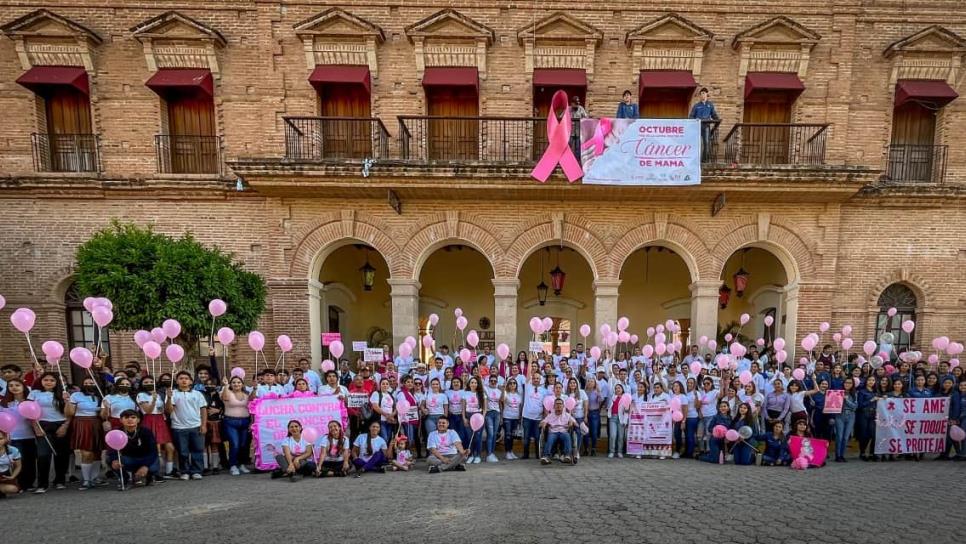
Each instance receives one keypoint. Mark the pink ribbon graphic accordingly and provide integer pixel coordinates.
(558, 151)
(601, 132)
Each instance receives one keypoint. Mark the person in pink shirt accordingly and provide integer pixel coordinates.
(558, 425)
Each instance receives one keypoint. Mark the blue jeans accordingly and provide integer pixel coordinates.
(409, 429)
(552, 439)
(430, 424)
(690, 436)
(678, 434)
(236, 431)
(579, 435)
(133, 464)
(593, 422)
(475, 441)
(387, 430)
(844, 423)
(509, 427)
(616, 435)
(531, 430)
(492, 426)
(456, 423)
(191, 449)
(705, 424)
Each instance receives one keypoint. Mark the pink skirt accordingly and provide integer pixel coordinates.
(86, 434)
(158, 427)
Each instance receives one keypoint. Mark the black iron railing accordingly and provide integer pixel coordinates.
(913, 163)
(317, 138)
(179, 154)
(773, 144)
(65, 152)
(709, 141)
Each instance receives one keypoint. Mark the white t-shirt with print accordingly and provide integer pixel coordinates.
(187, 409)
(378, 444)
(445, 444)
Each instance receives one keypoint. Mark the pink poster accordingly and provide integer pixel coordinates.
(272, 414)
(814, 450)
(833, 401)
(329, 337)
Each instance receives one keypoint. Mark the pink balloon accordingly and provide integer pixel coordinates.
(779, 343)
(29, 409)
(3, 302)
(336, 348)
(405, 350)
(52, 349)
(151, 349)
(547, 323)
(737, 350)
(712, 345)
(612, 338)
(808, 343)
(803, 361)
(942, 343)
(846, 330)
(769, 320)
(695, 367)
(847, 343)
(548, 403)
(171, 328)
(933, 359)
(660, 338)
(174, 353)
(731, 435)
(677, 416)
(723, 362)
(623, 323)
(140, 337)
(116, 439)
(954, 348)
(256, 340)
(157, 334)
(503, 351)
(89, 304)
(327, 366)
(472, 338)
(238, 372)
(536, 325)
(634, 339)
(595, 352)
(760, 342)
(890, 369)
(101, 301)
(953, 363)
(719, 431)
(745, 377)
(670, 325)
(908, 325)
(7, 422)
(957, 433)
(310, 434)
(650, 332)
(23, 319)
(743, 319)
(703, 340)
(892, 312)
(659, 328)
(461, 322)
(675, 404)
(411, 341)
(402, 407)
(585, 330)
(284, 343)
(226, 336)
(625, 401)
(102, 316)
(728, 337)
(82, 357)
(217, 307)
(823, 326)
(660, 349)
(458, 312)
(476, 422)
(781, 355)
(623, 336)
(427, 341)
(868, 347)
(798, 374)
(647, 350)
(837, 337)
(605, 329)
(570, 404)
(433, 319)
(465, 355)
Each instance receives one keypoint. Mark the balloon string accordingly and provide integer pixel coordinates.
(30, 345)
(91, 372)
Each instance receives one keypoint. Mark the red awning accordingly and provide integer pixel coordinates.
(171, 79)
(458, 76)
(338, 73)
(40, 77)
(559, 77)
(666, 79)
(773, 81)
(935, 91)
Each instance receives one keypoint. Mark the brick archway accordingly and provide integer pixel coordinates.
(920, 287)
(677, 237)
(432, 237)
(542, 235)
(788, 247)
(320, 242)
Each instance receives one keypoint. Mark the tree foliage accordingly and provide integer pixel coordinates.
(150, 277)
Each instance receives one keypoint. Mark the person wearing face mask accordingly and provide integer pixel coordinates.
(87, 435)
(151, 403)
(213, 441)
(118, 401)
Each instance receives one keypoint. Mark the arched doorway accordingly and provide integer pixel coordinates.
(456, 276)
(81, 330)
(556, 282)
(354, 298)
(654, 288)
(904, 300)
(755, 282)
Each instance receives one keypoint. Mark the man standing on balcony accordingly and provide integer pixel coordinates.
(627, 109)
(704, 111)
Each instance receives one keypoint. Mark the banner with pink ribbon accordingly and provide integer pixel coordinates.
(558, 137)
(641, 151)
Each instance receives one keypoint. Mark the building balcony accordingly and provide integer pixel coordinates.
(179, 154)
(75, 153)
(775, 144)
(336, 138)
(911, 163)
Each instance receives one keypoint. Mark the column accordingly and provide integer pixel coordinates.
(790, 328)
(605, 305)
(315, 322)
(505, 311)
(405, 309)
(704, 309)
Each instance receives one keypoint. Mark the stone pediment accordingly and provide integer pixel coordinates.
(934, 39)
(559, 27)
(46, 24)
(175, 26)
(669, 28)
(43, 38)
(338, 23)
(777, 31)
(450, 25)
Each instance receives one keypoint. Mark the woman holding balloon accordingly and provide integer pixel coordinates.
(618, 410)
(151, 403)
(236, 420)
(15, 404)
(473, 403)
(52, 425)
(87, 436)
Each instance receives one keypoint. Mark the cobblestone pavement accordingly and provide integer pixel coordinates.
(599, 500)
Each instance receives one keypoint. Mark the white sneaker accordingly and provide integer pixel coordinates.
(620, 455)
(196, 476)
(662, 457)
(610, 455)
(637, 457)
(234, 471)
(185, 477)
(477, 460)
(508, 457)
(243, 469)
(491, 458)
(675, 455)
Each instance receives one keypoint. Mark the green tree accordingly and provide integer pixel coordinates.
(150, 277)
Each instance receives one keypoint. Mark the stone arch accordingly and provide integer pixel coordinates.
(785, 245)
(540, 236)
(319, 243)
(62, 280)
(432, 237)
(677, 237)
(919, 286)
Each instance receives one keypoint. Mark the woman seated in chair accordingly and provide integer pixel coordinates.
(558, 425)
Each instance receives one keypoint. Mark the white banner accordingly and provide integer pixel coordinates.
(359, 346)
(911, 425)
(372, 355)
(641, 151)
(536, 347)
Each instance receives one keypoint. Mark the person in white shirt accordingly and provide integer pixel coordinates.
(438, 371)
(334, 452)
(446, 451)
(268, 385)
(297, 457)
(533, 394)
(708, 407)
(310, 375)
(332, 387)
(693, 356)
(188, 411)
(445, 356)
(370, 451)
(403, 364)
(493, 394)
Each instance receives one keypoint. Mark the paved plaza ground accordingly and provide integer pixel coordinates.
(599, 500)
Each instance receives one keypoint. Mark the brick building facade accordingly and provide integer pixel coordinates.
(153, 115)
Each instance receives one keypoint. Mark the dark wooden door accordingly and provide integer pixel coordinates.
(767, 144)
(912, 154)
(193, 147)
(71, 144)
(453, 139)
(350, 135)
(542, 96)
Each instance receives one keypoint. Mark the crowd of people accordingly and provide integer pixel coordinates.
(184, 425)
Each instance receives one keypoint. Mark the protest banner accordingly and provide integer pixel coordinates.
(372, 355)
(911, 425)
(329, 337)
(834, 398)
(813, 449)
(641, 151)
(359, 346)
(271, 416)
(649, 429)
(536, 347)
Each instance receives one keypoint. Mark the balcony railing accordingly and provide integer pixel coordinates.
(65, 152)
(776, 144)
(318, 138)
(911, 163)
(188, 154)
